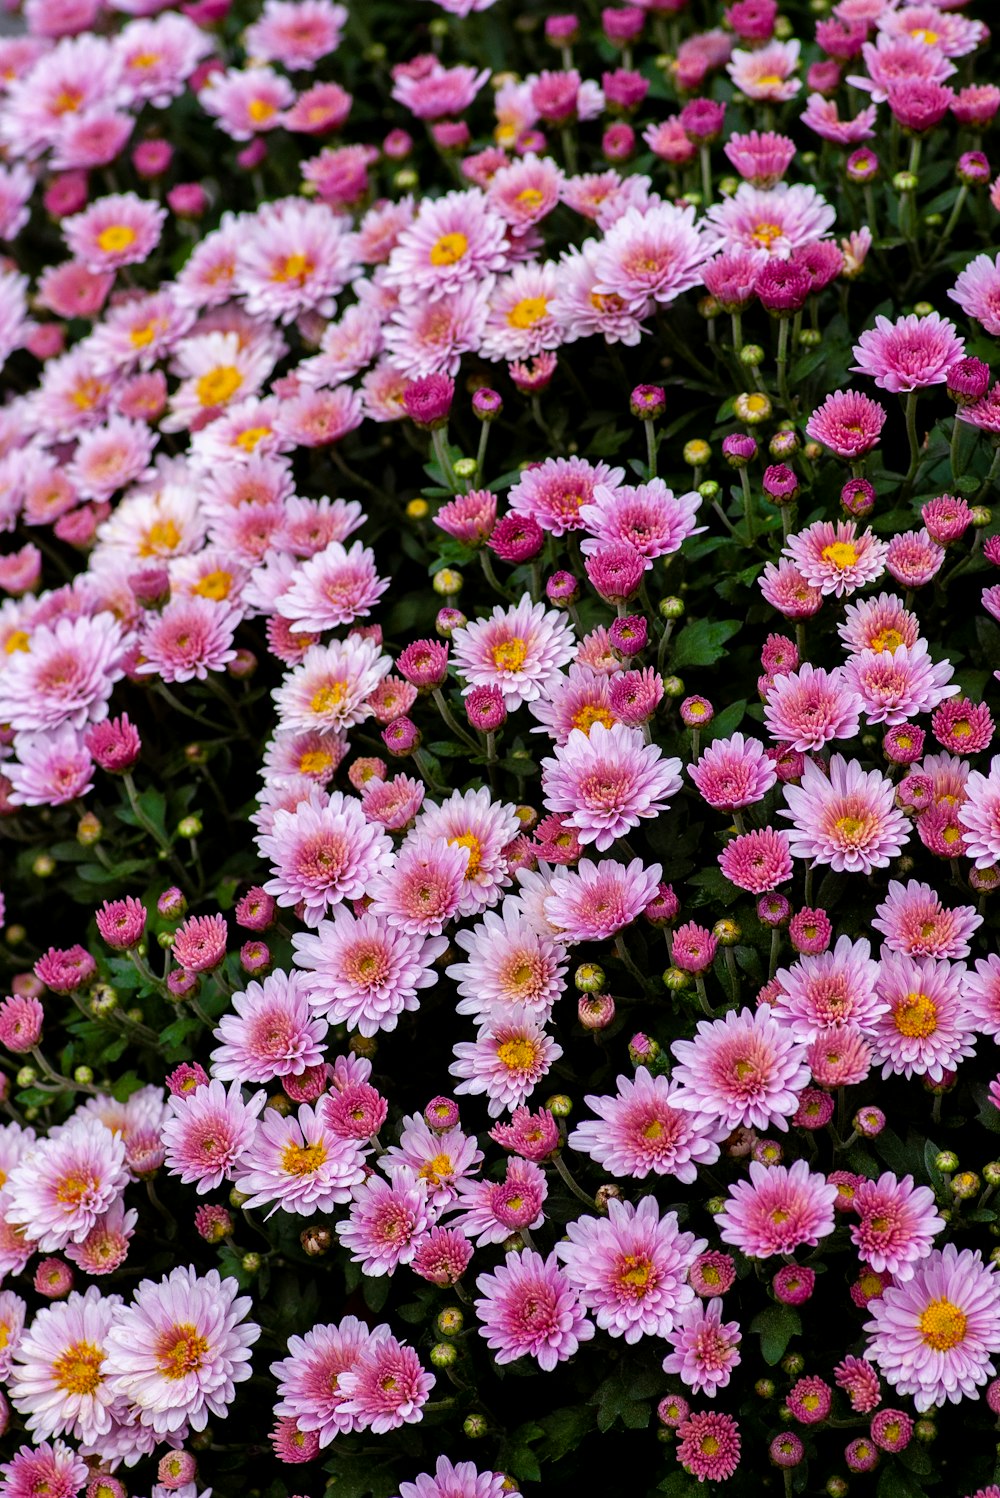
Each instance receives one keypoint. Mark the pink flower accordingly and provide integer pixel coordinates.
(332, 588)
(474, 821)
(298, 1163)
(897, 1224)
(894, 686)
(913, 558)
(424, 888)
(271, 1034)
(708, 1445)
(977, 292)
(935, 1336)
(877, 624)
(506, 1061)
(322, 853)
(296, 257)
(386, 1222)
(848, 820)
(64, 1183)
(834, 558)
(979, 815)
(509, 962)
(489, 1211)
(454, 239)
(121, 923)
(207, 1131)
(777, 1210)
(442, 1257)
(744, 1070)
(362, 973)
(648, 517)
(769, 221)
(809, 706)
(760, 157)
(460, 1480)
(309, 1386)
(705, 1348)
(629, 1268)
(469, 518)
(733, 772)
(642, 1129)
(909, 354)
(533, 1136)
(913, 920)
(554, 493)
(649, 255)
(606, 781)
(190, 638)
(860, 1383)
(246, 101)
(836, 988)
(54, 1469)
(848, 423)
(528, 1309)
(199, 945)
(598, 900)
(519, 649)
(65, 677)
(927, 1028)
(56, 1381)
(787, 590)
(298, 35)
(822, 116)
(121, 229)
(766, 72)
(386, 1386)
(21, 1018)
(757, 861)
(430, 91)
(982, 994)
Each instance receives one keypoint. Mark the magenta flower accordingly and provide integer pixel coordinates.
(848, 423)
(207, 1131)
(733, 772)
(979, 815)
(913, 920)
(744, 1070)
(927, 1028)
(835, 988)
(705, 1348)
(597, 900)
(757, 861)
(897, 1224)
(808, 707)
(832, 557)
(909, 354)
(386, 1221)
(777, 1210)
(272, 1034)
(708, 1445)
(529, 1309)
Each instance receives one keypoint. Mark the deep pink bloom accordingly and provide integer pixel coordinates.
(528, 1309)
(744, 1070)
(909, 354)
(896, 1224)
(708, 1445)
(777, 1210)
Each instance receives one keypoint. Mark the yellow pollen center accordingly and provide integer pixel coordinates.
(531, 197)
(710, 1446)
(841, 553)
(517, 1055)
(469, 840)
(218, 385)
(848, 827)
(303, 1159)
(916, 1016)
(924, 34)
(87, 394)
(770, 80)
(315, 761)
(162, 536)
(72, 1189)
(66, 101)
(635, 1271)
(261, 109)
(449, 249)
(811, 1401)
(653, 1130)
(591, 714)
(433, 1170)
(115, 238)
(779, 1217)
(326, 698)
(250, 439)
(181, 1350)
(961, 729)
(511, 655)
(766, 234)
(293, 268)
(942, 1325)
(214, 585)
(143, 337)
(886, 639)
(144, 60)
(528, 311)
(77, 1370)
(18, 639)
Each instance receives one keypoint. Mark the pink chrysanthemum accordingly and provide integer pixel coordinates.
(309, 1378)
(442, 1158)
(54, 1469)
(295, 258)
(935, 1336)
(927, 1028)
(509, 962)
(474, 821)
(207, 1132)
(454, 239)
(877, 624)
(897, 685)
(322, 854)
(334, 587)
(733, 772)
(848, 820)
(386, 1387)
(744, 1070)
(757, 861)
(648, 517)
(848, 423)
(122, 229)
(518, 649)
(769, 221)
(705, 1348)
(777, 1210)
(808, 707)
(442, 1257)
(57, 1382)
(597, 900)
(461, 1480)
(331, 686)
(533, 1136)
(424, 888)
(629, 1268)
(979, 815)
(386, 1221)
(897, 1224)
(106, 1246)
(982, 994)
(528, 1309)
(650, 254)
(64, 1183)
(641, 1130)
(190, 638)
(860, 1383)
(833, 989)
(177, 1350)
(554, 493)
(363, 973)
(787, 590)
(962, 726)
(272, 1034)
(832, 557)
(64, 676)
(910, 353)
(299, 1164)
(913, 559)
(606, 781)
(489, 1211)
(578, 700)
(708, 1445)
(506, 1061)
(913, 920)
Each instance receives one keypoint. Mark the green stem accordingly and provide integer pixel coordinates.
(439, 441)
(484, 437)
(783, 329)
(737, 318)
(452, 722)
(699, 984)
(747, 505)
(910, 408)
(706, 175)
(650, 448)
(563, 1169)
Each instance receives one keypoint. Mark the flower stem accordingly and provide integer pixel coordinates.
(452, 722)
(563, 1169)
(910, 408)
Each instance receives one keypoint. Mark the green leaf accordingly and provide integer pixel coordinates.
(679, 1485)
(776, 1327)
(702, 642)
(564, 1430)
(724, 723)
(894, 1483)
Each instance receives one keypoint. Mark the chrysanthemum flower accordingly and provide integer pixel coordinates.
(629, 1268)
(246, 101)
(896, 1224)
(296, 257)
(298, 1164)
(110, 457)
(44, 1467)
(57, 1382)
(935, 1336)
(927, 1028)
(982, 994)
(744, 1070)
(332, 588)
(705, 1348)
(897, 685)
(597, 900)
(489, 1211)
(641, 1129)
(650, 254)
(648, 517)
(733, 772)
(848, 423)
(708, 1445)
(363, 973)
(519, 649)
(121, 229)
(508, 962)
(454, 239)
(461, 1480)
(207, 1131)
(878, 624)
(777, 1210)
(272, 1034)
(769, 221)
(441, 1158)
(832, 557)
(442, 1257)
(533, 1136)
(808, 707)
(554, 493)
(913, 920)
(424, 888)
(848, 820)
(606, 781)
(191, 637)
(474, 821)
(106, 1246)
(910, 353)
(323, 852)
(309, 1378)
(979, 815)
(386, 1221)
(64, 1183)
(833, 989)
(757, 861)
(528, 1309)
(506, 1061)
(766, 72)
(787, 589)
(386, 1386)
(64, 676)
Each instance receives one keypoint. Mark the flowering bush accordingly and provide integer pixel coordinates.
(499, 833)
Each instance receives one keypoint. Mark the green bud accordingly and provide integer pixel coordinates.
(836, 1487)
(607, 1193)
(923, 309)
(475, 1427)
(165, 939)
(981, 516)
(27, 1076)
(716, 1206)
(810, 337)
(933, 220)
(709, 490)
(590, 978)
(991, 1173)
(946, 1161)
(906, 182)
(751, 356)
(448, 582)
(559, 1105)
(926, 1431)
(782, 28)
(726, 933)
(808, 158)
(676, 979)
(673, 686)
(449, 1322)
(44, 866)
(444, 1354)
(764, 1388)
(728, 186)
(88, 830)
(103, 1000)
(672, 608)
(15, 935)
(965, 1185)
(793, 1364)
(83, 1075)
(466, 468)
(405, 179)
(237, 1198)
(708, 307)
(250, 1263)
(189, 826)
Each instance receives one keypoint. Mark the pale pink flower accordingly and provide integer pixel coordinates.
(787, 590)
(362, 972)
(982, 994)
(910, 353)
(913, 920)
(489, 1211)
(299, 1164)
(111, 457)
(554, 492)
(297, 35)
(913, 559)
(835, 988)
(443, 1159)
(606, 781)
(507, 962)
(597, 900)
(650, 255)
(309, 1378)
(506, 1061)
(757, 861)
(521, 322)
(705, 1348)
(927, 1028)
(848, 820)
(848, 423)
(473, 820)
(431, 91)
(454, 239)
(386, 1221)
(323, 852)
(191, 637)
(121, 229)
(878, 624)
(733, 772)
(897, 1224)
(207, 1131)
(808, 707)
(898, 60)
(769, 221)
(519, 649)
(895, 686)
(386, 1386)
(528, 1309)
(246, 101)
(64, 677)
(977, 292)
(430, 337)
(979, 815)
(648, 517)
(56, 1381)
(296, 257)
(766, 73)
(777, 1210)
(330, 688)
(745, 1070)
(641, 1129)
(822, 116)
(424, 888)
(63, 1184)
(832, 557)
(272, 1034)
(334, 587)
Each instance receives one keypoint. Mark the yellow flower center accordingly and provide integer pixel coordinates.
(527, 312)
(261, 109)
(517, 1055)
(469, 840)
(144, 60)
(765, 235)
(924, 34)
(214, 585)
(961, 729)
(770, 80)
(293, 268)
(66, 101)
(77, 1370)
(511, 655)
(531, 197)
(303, 1159)
(18, 639)
(635, 1270)
(162, 536)
(587, 716)
(916, 1016)
(654, 1129)
(72, 1189)
(449, 249)
(886, 639)
(841, 553)
(88, 393)
(709, 1446)
(181, 1350)
(942, 1325)
(143, 337)
(848, 827)
(250, 439)
(326, 698)
(315, 761)
(218, 385)
(433, 1170)
(115, 238)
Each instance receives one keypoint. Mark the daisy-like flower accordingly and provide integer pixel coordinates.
(424, 888)
(363, 973)
(508, 962)
(520, 649)
(176, 1352)
(330, 688)
(272, 1034)
(896, 685)
(334, 587)
(630, 1269)
(878, 624)
(579, 699)
(64, 1183)
(442, 1160)
(896, 1224)
(708, 1445)
(554, 493)
(489, 1211)
(111, 457)
(56, 1381)
(386, 1221)
(597, 900)
(913, 920)
(44, 1467)
(650, 254)
(979, 815)
(744, 1070)
(207, 1132)
(606, 781)
(506, 1061)
(832, 989)
(454, 239)
(832, 557)
(705, 1348)
(927, 1028)
(297, 35)
(935, 1336)
(982, 994)
(106, 1246)
(529, 1309)
(309, 1378)
(386, 1386)
(296, 257)
(64, 675)
(847, 820)
(733, 772)
(122, 229)
(189, 638)
(521, 321)
(641, 1129)
(909, 354)
(648, 517)
(246, 101)
(474, 821)
(12, 1309)
(461, 1480)
(808, 707)
(848, 423)
(766, 73)
(823, 116)
(769, 220)
(299, 1164)
(323, 852)
(777, 1210)
(977, 292)
(787, 590)
(757, 861)
(430, 337)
